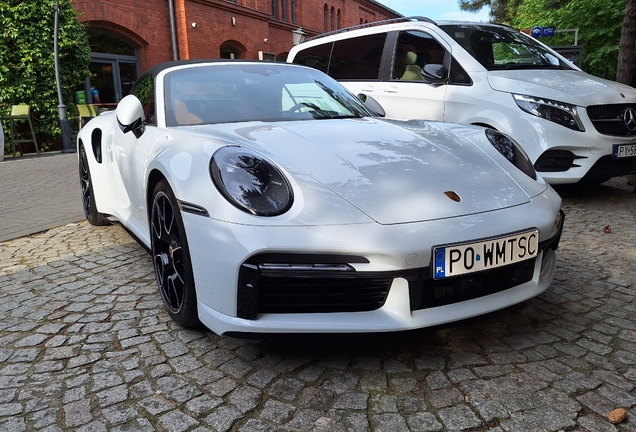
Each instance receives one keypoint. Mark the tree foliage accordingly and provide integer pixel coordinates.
(599, 23)
(500, 10)
(27, 63)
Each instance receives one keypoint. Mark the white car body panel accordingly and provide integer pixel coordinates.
(488, 101)
(369, 187)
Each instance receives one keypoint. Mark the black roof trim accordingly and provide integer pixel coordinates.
(373, 24)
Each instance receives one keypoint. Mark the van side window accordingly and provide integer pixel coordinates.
(414, 50)
(458, 75)
(357, 58)
(352, 58)
(316, 57)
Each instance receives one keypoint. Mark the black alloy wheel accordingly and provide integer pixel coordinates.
(88, 197)
(171, 257)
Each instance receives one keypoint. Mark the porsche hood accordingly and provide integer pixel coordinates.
(390, 173)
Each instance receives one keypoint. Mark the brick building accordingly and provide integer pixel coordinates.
(129, 37)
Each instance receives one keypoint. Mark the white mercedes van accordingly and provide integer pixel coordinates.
(574, 126)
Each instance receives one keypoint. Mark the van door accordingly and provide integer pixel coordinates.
(406, 94)
(354, 62)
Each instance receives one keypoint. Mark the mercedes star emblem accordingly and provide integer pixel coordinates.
(629, 117)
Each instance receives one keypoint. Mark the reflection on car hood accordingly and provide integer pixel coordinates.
(391, 174)
(575, 87)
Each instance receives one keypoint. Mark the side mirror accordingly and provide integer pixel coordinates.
(434, 73)
(372, 104)
(130, 115)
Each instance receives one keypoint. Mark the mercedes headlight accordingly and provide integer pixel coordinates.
(555, 111)
(511, 151)
(250, 182)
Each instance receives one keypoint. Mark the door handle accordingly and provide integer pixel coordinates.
(367, 88)
(390, 89)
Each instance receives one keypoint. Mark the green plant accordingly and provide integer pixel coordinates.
(27, 68)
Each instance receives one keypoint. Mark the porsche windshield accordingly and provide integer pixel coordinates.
(500, 48)
(242, 92)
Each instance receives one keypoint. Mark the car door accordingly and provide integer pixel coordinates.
(128, 155)
(355, 61)
(404, 93)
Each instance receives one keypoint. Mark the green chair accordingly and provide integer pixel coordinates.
(86, 112)
(21, 113)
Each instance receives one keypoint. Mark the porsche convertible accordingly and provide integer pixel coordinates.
(272, 200)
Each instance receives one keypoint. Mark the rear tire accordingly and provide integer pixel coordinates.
(171, 257)
(88, 197)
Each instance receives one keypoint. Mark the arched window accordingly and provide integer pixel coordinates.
(114, 67)
(228, 51)
(274, 9)
(333, 18)
(338, 21)
(293, 11)
(283, 10)
(325, 13)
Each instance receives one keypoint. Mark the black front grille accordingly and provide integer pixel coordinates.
(322, 294)
(431, 293)
(607, 167)
(609, 119)
(556, 161)
(323, 284)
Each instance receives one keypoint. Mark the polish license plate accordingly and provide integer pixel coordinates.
(459, 259)
(624, 151)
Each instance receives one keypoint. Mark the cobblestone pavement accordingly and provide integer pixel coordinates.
(38, 193)
(85, 345)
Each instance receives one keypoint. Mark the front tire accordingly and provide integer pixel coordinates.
(88, 197)
(171, 257)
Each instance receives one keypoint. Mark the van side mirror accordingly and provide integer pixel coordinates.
(434, 73)
(372, 104)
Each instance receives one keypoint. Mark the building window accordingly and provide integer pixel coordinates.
(274, 9)
(293, 11)
(325, 14)
(114, 67)
(339, 14)
(333, 18)
(283, 10)
(229, 52)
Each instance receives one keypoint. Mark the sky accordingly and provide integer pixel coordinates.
(435, 9)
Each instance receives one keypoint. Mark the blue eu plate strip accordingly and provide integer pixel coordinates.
(440, 263)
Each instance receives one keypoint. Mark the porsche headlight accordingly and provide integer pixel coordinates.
(555, 111)
(250, 182)
(511, 151)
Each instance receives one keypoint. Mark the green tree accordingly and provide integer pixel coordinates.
(501, 11)
(27, 68)
(599, 23)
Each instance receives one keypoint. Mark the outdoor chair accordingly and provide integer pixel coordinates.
(18, 114)
(86, 112)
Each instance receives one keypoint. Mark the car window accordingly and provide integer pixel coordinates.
(499, 48)
(458, 74)
(144, 90)
(350, 58)
(239, 92)
(415, 49)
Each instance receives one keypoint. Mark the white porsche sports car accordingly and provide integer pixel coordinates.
(272, 200)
